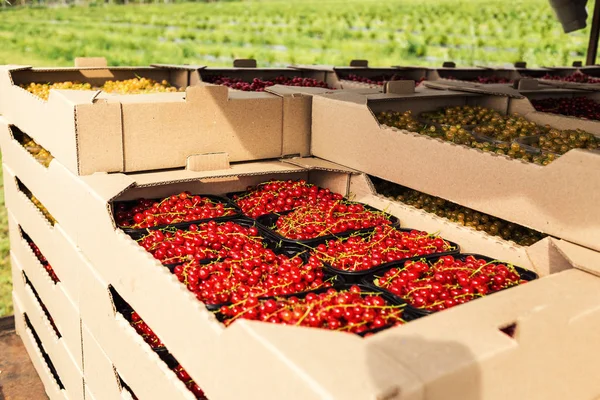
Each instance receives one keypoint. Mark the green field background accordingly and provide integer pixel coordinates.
(279, 33)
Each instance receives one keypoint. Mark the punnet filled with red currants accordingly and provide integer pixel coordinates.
(442, 283)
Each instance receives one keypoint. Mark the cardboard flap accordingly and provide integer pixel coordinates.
(108, 186)
(187, 67)
(84, 62)
(244, 63)
(15, 67)
(399, 87)
(526, 84)
(74, 96)
(580, 257)
(158, 178)
(349, 96)
(318, 163)
(359, 63)
(497, 90)
(207, 162)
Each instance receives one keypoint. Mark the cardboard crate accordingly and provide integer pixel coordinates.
(497, 185)
(288, 356)
(93, 131)
(450, 72)
(238, 347)
(247, 70)
(339, 76)
(567, 71)
(36, 354)
(57, 346)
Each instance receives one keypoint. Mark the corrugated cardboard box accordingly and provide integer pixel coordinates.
(559, 199)
(93, 131)
(247, 70)
(339, 77)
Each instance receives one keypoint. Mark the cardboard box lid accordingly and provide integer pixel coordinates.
(109, 186)
(497, 90)
(580, 257)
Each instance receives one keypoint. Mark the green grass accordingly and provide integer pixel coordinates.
(5, 275)
(276, 33)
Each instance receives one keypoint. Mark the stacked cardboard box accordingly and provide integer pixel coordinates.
(533, 341)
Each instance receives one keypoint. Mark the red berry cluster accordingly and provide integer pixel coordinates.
(278, 196)
(184, 207)
(341, 310)
(189, 382)
(259, 85)
(381, 79)
(385, 244)
(44, 262)
(327, 218)
(145, 332)
(576, 77)
(209, 240)
(448, 281)
(580, 107)
(254, 272)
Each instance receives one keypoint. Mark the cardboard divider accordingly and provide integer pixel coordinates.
(53, 241)
(97, 132)
(506, 188)
(144, 371)
(102, 379)
(53, 391)
(67, 364)
(458, 353)
(64, 313)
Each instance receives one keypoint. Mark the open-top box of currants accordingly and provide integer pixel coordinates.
(359, 75)
(478, 75)
(104, 119)
(246, 76)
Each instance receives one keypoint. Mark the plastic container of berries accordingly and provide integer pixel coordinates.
(329, 277)
(413, 311)
(358, 275)
(231, 211)
(365, 290)
(242, 221)
(269, 223)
